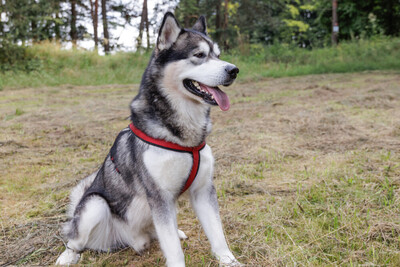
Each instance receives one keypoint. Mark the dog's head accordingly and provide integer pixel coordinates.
(191, 63)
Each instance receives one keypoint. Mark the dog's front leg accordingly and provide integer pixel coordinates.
(164, 219)
(205, 204)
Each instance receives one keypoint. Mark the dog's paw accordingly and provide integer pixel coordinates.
(228, 260)
(182, 235)
(142, 242)
(230, 263)
(68, 257)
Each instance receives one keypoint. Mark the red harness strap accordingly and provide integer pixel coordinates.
(195, 151)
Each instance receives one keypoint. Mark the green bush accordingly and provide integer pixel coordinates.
(15, 57)
(51, 64)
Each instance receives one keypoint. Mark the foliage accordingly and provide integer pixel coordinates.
(17, 58)
(305, 23)
(32, 20)
(29, 21)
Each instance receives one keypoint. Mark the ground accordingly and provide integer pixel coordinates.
(307, 170)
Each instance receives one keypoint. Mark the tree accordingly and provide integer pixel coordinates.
(2, 12)
(144, 23)
(335, 25)
(58, 22)
(232, 23)
(73, 32)
(94, 11)
(387, 16)
(187, 12)
(30, 20)
(218, 21)
(355, 18)
(106, 39)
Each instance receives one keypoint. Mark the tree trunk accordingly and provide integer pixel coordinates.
(106, 41)
(57, 30)
(335, 24)
(34, 31)
(144, 22)
(140, 36)
(94, 11)
(2, 9)
(73, 32)
(225, 24)
(147, 27)
(218, 21)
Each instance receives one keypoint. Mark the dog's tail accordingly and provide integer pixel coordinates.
(77, 193)
(75, 197)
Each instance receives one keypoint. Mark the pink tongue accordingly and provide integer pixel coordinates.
(220, 97)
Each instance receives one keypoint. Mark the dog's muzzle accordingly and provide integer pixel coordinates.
(212, 94)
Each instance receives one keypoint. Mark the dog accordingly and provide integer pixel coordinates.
(131, 199)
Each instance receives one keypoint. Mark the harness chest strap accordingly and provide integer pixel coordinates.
(195, 151)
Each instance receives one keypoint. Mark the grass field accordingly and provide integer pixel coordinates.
(307, 170)
(46, 64)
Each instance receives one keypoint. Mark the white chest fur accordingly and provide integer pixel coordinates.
(170, 169)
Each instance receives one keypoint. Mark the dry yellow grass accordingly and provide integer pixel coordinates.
(307, 170)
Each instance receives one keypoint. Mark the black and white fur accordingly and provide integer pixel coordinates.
(111, 209)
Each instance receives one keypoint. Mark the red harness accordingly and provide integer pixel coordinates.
(195, 151)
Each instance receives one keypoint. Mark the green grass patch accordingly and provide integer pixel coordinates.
(282, 60)
(349, 217)
(57, 66)
(349, 211)
(51, 65)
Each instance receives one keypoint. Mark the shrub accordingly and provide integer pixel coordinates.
(16, 57)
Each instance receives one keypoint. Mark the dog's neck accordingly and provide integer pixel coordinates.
(166, 117)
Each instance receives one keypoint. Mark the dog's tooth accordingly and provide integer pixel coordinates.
(212, 97)
(196, 84)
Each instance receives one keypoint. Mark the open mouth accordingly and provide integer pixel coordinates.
(211, 95)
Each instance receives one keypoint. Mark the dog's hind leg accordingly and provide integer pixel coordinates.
(91, 227)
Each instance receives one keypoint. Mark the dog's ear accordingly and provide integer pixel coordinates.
(169, 32)
(200, 25)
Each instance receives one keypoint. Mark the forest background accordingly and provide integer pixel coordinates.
(274, 37)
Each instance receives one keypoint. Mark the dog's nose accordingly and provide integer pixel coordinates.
(232, 70)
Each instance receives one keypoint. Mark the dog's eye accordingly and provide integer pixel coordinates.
(200, 55)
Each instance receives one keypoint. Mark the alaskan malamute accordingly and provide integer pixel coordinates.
(131, 199)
